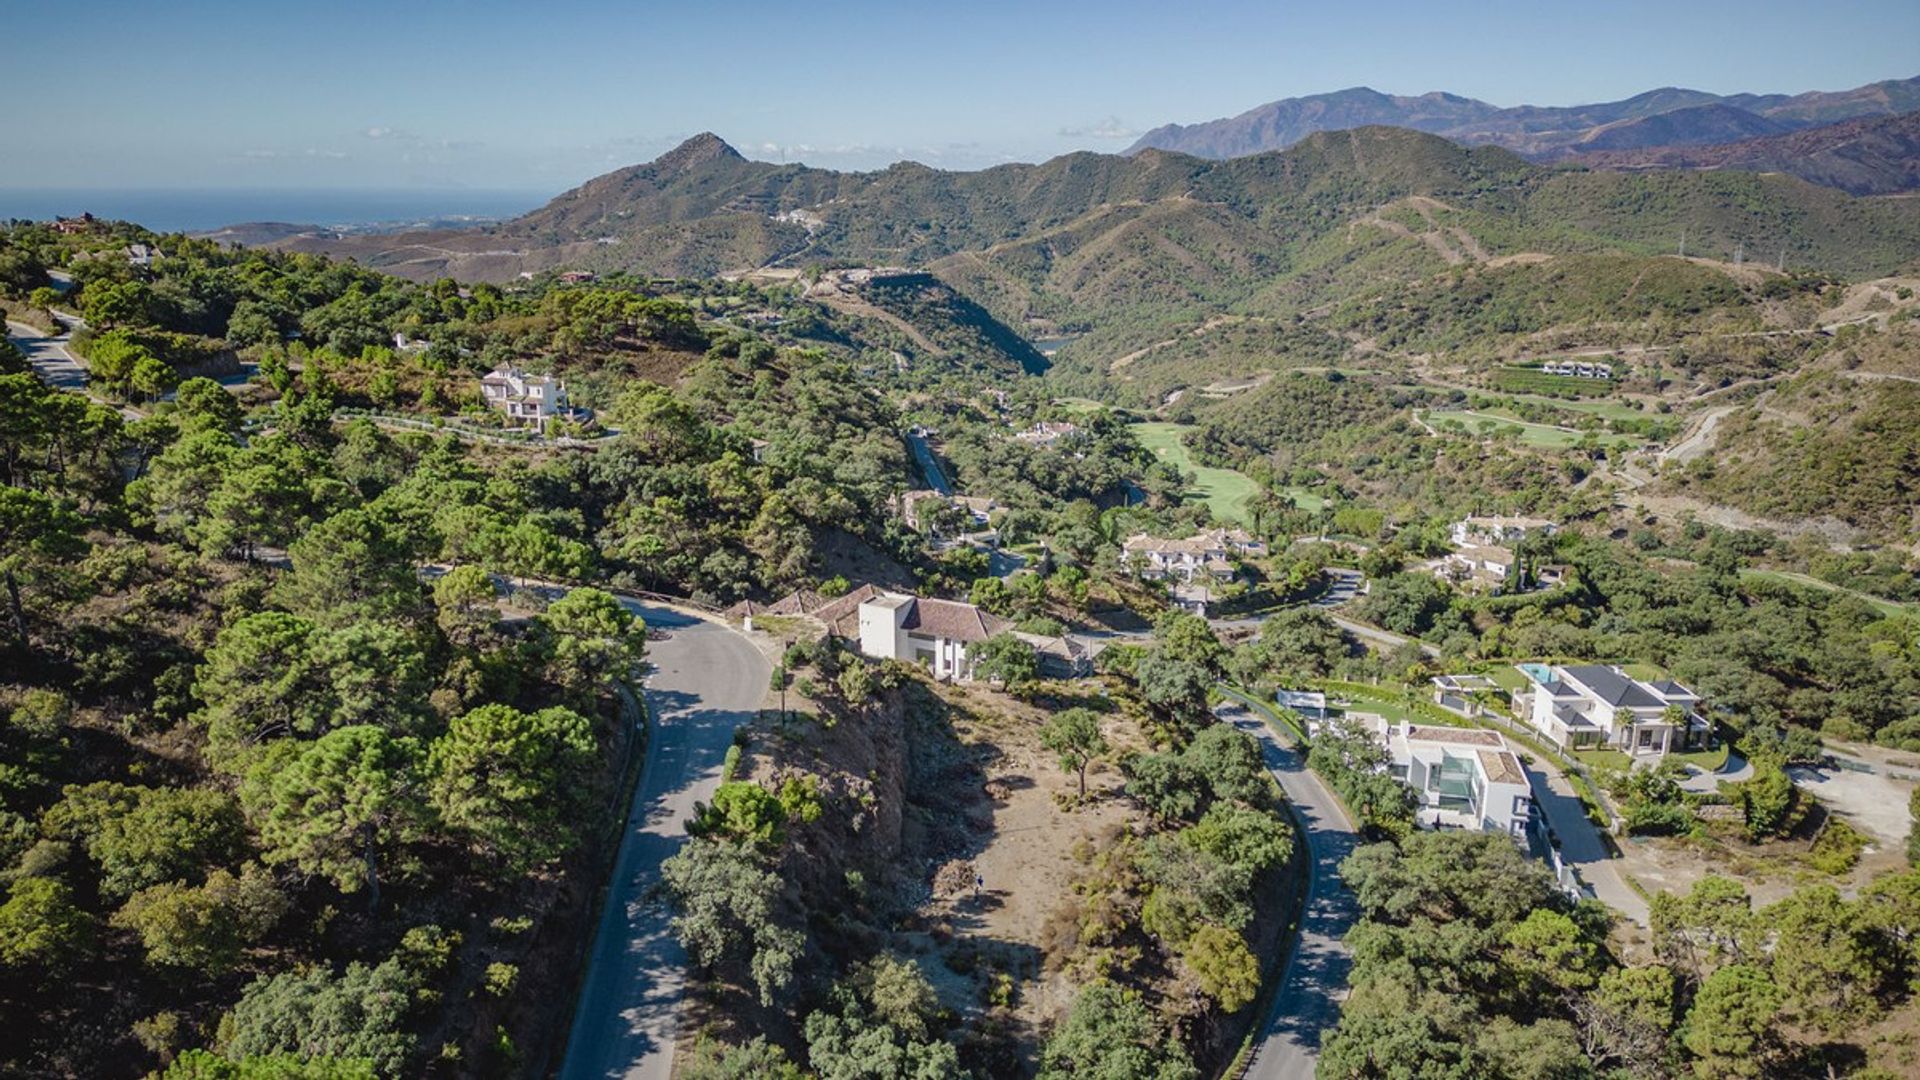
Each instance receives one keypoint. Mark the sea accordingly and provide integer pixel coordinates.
(180, 210)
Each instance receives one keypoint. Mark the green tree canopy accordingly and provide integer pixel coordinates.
(339, 807)
(1110, 1034)
(1074, 734)
(514, 782)
(42, 930)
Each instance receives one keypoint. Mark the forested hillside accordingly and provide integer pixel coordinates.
(294, 762)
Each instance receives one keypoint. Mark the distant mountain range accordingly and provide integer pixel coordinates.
(1658, 118)
(1869, 156)
(1089, 238)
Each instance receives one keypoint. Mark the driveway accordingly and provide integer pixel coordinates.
(1580, 845)
(1373, 635)
(707, 680)
(1701, 782)
(929, 465)
(1314, 982)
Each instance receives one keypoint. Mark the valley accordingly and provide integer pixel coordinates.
(1352, 600)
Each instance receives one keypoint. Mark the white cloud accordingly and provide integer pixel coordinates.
(285, 155)
(1110, 128)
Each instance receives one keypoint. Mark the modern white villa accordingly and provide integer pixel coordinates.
(935, 633)
(1599, 705)
(1465, 778)
(531, 400)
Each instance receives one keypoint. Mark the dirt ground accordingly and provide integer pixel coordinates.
(1769, 871)
(1876, 805)
(1023, 855)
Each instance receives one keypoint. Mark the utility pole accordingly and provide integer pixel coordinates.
(1739, 254)
(1781, 266)
(1683, 243)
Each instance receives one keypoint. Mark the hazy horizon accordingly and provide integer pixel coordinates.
(440, 96)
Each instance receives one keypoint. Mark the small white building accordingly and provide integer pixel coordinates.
(934, 633)
(1579, 369)
(1465, 778)
(1479, 562)
(1311, 705)
(1599, 705)
(526, 399)
(1047, 432)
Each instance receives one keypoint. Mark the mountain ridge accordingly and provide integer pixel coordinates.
(1878, 155)
(1532, 130)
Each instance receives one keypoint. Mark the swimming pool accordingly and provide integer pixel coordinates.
(1541, 674)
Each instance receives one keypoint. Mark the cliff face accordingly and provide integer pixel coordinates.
(859, 765)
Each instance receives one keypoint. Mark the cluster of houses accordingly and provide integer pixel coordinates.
(1204, 555)
(1579, 369)
(936, 634)
(1469, 778)
(1483, 549)
(1192, 567)
(1047, 433)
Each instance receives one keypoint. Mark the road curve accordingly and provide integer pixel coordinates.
(707, 680)
(1314, 981)
(48, 355)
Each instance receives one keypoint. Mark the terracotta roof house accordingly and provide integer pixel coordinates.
(1208, 553)
(1060, 658)
(936, 633)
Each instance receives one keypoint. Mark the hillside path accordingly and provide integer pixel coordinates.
(707, 680)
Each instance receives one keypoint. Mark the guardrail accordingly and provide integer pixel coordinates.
(443, 425)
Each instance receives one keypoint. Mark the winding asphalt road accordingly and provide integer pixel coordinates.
(707, 680)
(49, 356)
(1314, 982)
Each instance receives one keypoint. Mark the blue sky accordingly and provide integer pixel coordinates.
(542, 95)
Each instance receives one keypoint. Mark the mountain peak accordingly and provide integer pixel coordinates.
(698, 150)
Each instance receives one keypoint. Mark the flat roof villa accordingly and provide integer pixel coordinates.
(1465, 778)
(1599, 705)
(1310, 704)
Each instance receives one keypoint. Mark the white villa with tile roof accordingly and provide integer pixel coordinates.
(1208, 554)
(931, 632)
(1489, 531)
(527, 399)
